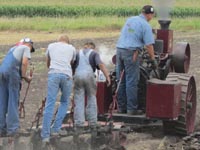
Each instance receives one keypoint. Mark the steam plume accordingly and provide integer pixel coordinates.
(163, 8)
(106, 54)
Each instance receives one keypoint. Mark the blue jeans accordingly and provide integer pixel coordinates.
(56, 82)
(85, 88)
(9, 94)
(127, 93)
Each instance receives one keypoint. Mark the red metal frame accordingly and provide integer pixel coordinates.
(163, 99)
(167, 37)
(104, 97)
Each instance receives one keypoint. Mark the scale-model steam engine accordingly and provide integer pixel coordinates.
(168, 93)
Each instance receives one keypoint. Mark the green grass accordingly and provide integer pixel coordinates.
(59, 24)
(186, 24)
(115, 3)
(76, 2)
(86, 23)
(2, 55)
(180, 24)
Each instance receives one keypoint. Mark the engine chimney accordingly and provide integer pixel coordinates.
(164, 24)
(163, 8)
(165, 34)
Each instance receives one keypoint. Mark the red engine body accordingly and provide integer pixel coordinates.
(163, 99)
(167, 37)
(104, 97)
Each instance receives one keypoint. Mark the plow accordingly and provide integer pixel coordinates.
(166, 95)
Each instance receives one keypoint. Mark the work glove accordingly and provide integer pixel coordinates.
(154, 64)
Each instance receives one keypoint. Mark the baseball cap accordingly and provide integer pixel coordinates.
(148, 9)
(28, 40)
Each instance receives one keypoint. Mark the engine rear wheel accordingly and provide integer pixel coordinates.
(185, 123)
(181, 57)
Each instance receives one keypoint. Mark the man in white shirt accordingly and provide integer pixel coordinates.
(60, 55)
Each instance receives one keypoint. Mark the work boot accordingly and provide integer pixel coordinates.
(45, 143)
(135, 112)
(61, 132)
(13, 134)
(121, 111)
(78, 130)
(95, 127)
(2, 133)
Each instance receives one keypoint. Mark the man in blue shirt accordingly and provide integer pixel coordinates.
(135, 34)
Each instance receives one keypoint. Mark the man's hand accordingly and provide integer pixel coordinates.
(108, 81)
(27, 79)
(105, 72)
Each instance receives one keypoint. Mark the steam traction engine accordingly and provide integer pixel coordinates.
(168, 93)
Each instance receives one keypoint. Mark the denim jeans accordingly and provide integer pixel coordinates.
(9, 95)
(127, 93)
(85, 88)
(56, 82)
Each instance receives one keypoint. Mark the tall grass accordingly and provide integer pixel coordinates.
(66, 11)
(76, 11)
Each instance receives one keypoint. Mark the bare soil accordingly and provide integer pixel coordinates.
(151, 138)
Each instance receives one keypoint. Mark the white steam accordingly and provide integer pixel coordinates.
(106, 54)
(163, 8)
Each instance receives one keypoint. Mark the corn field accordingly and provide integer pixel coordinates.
(77, 11)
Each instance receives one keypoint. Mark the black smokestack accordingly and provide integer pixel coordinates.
(164, 24)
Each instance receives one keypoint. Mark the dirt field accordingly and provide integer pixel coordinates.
(146, 139)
